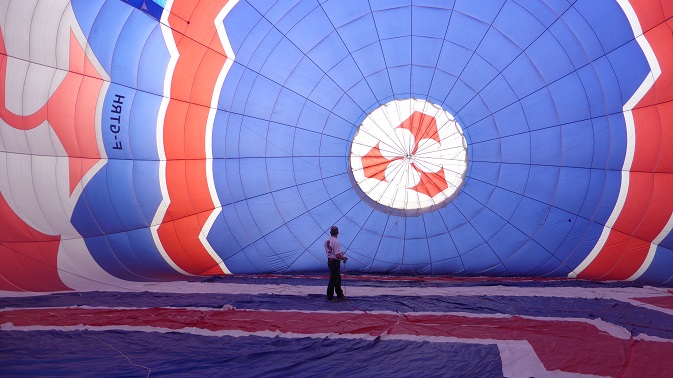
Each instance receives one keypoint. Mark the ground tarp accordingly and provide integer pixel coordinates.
(402, 326)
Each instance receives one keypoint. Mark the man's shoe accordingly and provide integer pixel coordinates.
(342, 298)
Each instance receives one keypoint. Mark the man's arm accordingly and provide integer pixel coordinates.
(339, 254)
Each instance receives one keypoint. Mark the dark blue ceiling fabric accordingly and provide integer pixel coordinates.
(539, 104)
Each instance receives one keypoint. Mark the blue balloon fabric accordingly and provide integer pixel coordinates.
(500, 138)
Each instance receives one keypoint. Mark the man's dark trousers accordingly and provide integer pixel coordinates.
(334, 279)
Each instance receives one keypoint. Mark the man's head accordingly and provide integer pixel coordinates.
(334, 231)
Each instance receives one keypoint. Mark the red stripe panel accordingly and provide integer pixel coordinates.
(570, 346)
(647, 207)
(201, 60)
(27, 257)
(71, 110)
(663, 302)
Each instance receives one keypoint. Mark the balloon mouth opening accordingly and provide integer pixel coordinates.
(408, 157)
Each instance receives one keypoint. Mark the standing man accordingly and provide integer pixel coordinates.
(334, 258)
